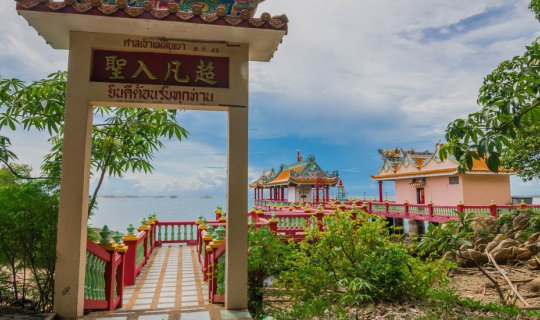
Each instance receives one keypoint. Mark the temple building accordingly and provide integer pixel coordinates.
(421, 177)
(303, 180)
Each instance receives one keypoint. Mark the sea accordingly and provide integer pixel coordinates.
(117, 212)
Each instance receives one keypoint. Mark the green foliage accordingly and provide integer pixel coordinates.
(510, 109)
(534, 222)
(505, 219)
(449, 236)
(28, 237)
(267, 256)
(352, 262)
(123, 139)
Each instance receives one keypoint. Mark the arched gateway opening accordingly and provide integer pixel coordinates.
(152, 54)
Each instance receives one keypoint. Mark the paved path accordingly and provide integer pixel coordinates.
(169, 287)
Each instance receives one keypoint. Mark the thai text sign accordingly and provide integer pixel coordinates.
(160, 69)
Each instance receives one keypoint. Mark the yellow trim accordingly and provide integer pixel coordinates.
(143, 228)
(109, 246)
(122, 248)
(130, 237)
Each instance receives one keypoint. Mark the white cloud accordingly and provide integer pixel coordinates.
(374, 60)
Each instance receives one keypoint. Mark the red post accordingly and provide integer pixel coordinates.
(130, 258)
(460, 207)
(370, 207)
(387, 207)
(430, 209)
(282, 193)
(406, 205)
(272, 224)
(493, 209)
(380, 191)
(327, 194)
(320, 216)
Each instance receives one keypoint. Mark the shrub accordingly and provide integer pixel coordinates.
(352, 262)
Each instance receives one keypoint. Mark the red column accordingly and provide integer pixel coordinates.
(317, 191)
(327, 199)
(380, 191)
(282, 193)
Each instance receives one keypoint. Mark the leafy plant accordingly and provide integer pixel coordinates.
(453, 236)
(333, 273)
(123, 139)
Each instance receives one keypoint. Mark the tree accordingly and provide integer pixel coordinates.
(510, 111)
(123, 139)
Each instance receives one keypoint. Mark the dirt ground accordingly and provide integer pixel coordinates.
(472, 283)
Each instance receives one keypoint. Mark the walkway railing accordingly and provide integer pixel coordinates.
(115, 263)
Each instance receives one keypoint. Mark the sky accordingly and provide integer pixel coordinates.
(351, 77)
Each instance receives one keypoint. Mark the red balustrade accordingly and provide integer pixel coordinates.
(105, 278)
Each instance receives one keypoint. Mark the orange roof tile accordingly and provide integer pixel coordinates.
(285, 175)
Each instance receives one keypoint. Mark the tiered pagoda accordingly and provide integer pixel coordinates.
(422, 177)
(303, 181)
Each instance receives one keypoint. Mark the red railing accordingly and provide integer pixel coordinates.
(176, 232)
(421, 212)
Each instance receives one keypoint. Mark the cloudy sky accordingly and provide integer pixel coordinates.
(351, 76)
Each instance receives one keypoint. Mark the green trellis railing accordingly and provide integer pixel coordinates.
(94, 286)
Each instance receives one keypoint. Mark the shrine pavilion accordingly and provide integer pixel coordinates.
(303, 181)
(422, 177)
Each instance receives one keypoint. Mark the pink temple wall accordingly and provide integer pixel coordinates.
(437, 189)
(481, 189)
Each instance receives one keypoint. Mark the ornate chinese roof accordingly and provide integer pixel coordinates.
(404, 164)
(238, 13)
(300, 172)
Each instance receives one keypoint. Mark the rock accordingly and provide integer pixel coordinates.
(533, 247)
(449, 256)
(481, 247)
(520, 235)
(521, 221)
(476, 256)
(534, 285)
(522, 253)
(503, 255)
(471, 254)
(484, 226)
(532, 264)
(483, 240)
(493, 244)
(508, 243)
(534, 237)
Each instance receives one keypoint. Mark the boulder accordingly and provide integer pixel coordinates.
(534, 285)
(503, 255)
(534, 238)
(471, 254)
(508, 243)
(521, 221)
(483, 240)
(522, 253)
(481, 247)
(483, 226)
(533, 264)
(493, 244)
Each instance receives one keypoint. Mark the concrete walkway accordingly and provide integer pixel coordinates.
(169, 287)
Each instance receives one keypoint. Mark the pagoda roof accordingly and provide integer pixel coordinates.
(301, 172)
(405, 164)
(124, 16)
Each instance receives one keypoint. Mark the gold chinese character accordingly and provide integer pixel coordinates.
(143, 68)
(205, 73)
(174, 68)
(115, 65)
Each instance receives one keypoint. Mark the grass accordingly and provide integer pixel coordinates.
(445, 304)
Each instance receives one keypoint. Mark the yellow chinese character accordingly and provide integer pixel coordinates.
(174, 68)
(115, 65)
(205, 73)
(143, 68)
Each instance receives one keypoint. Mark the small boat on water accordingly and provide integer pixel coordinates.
(173, 196)
(206, 197)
